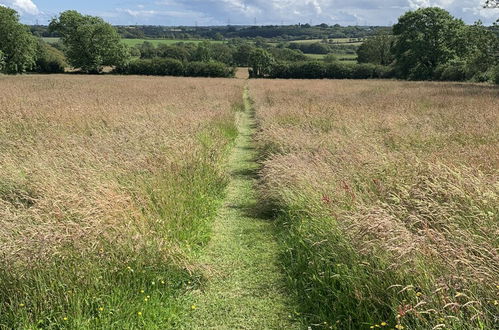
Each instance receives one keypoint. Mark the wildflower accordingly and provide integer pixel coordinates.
(162, 282)
(153, 283)
(148, 297)
(193, 307)
(65, 319)
(371, 327)
(145, 299)
(496, 303)
(419, 294)
(139, 313)
(130, 269)
(142, 291)
(21, 305)
(384, 324)
(399, 326)
(101, 309)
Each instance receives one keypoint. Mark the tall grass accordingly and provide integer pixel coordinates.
(107, 188)
(388, 197)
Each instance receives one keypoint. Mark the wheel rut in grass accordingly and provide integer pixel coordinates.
(244, 288)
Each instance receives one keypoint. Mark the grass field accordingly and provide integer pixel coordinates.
(348, 58)
(134, 42)
(387, 199)
(108, 186)
(133, 202)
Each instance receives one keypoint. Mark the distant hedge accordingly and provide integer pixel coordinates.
(335, 70)
(173, 67)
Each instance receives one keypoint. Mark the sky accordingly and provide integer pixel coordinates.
(246, 12)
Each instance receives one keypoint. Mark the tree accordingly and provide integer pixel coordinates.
(90, 42)
(377, 50)
(242, 54)
(16, 43)
(426, 38)
(49, 59)
(260, 62)
(491, 4)
(478, 49)
(2, 61)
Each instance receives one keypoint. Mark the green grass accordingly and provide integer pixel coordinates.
(244, 287)
(344, 58)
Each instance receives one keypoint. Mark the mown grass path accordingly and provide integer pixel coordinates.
(244, 289)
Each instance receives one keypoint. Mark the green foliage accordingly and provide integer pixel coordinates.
(377, 50)
(260, 62)
(334, 70)
(287, 54)
(426, 38)
(454, 70)
(330, 58)
(16, 43)
(49, 59)
(172, 67)
(311, 48)
(242, 54)
(208, 69)
(479, 49)
(90, 42)
(495, 74)
(2, 61)
(153, 67)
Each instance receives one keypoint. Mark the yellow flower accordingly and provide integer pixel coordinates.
(496, 303)
(142, 291)
(145, 299)
(162, 282)
(419, 294)
(399, 326)
(139, 313)
(153, 283)
(371, 327)
(384, 324)
(65, 319)
(21, 305)
(101, 309)
(193, 307)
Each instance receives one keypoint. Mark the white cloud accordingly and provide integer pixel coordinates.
(23, 6)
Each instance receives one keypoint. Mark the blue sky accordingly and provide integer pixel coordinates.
(220, 12)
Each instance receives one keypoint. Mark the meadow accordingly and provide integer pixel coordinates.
(108, 186)
(386, 200)
(193, 203)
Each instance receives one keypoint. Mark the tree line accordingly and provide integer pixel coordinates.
(425, 44)
(275, 32)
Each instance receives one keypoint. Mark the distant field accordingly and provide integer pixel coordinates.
(347, 58)
(133, 42)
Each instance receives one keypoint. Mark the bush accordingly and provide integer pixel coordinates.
(208, 69)
(451, 71)
(171, 67)
(49, 59)
(363, 71)
(2, 61)
(338, 71)
(335, 70)
(495, 74)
